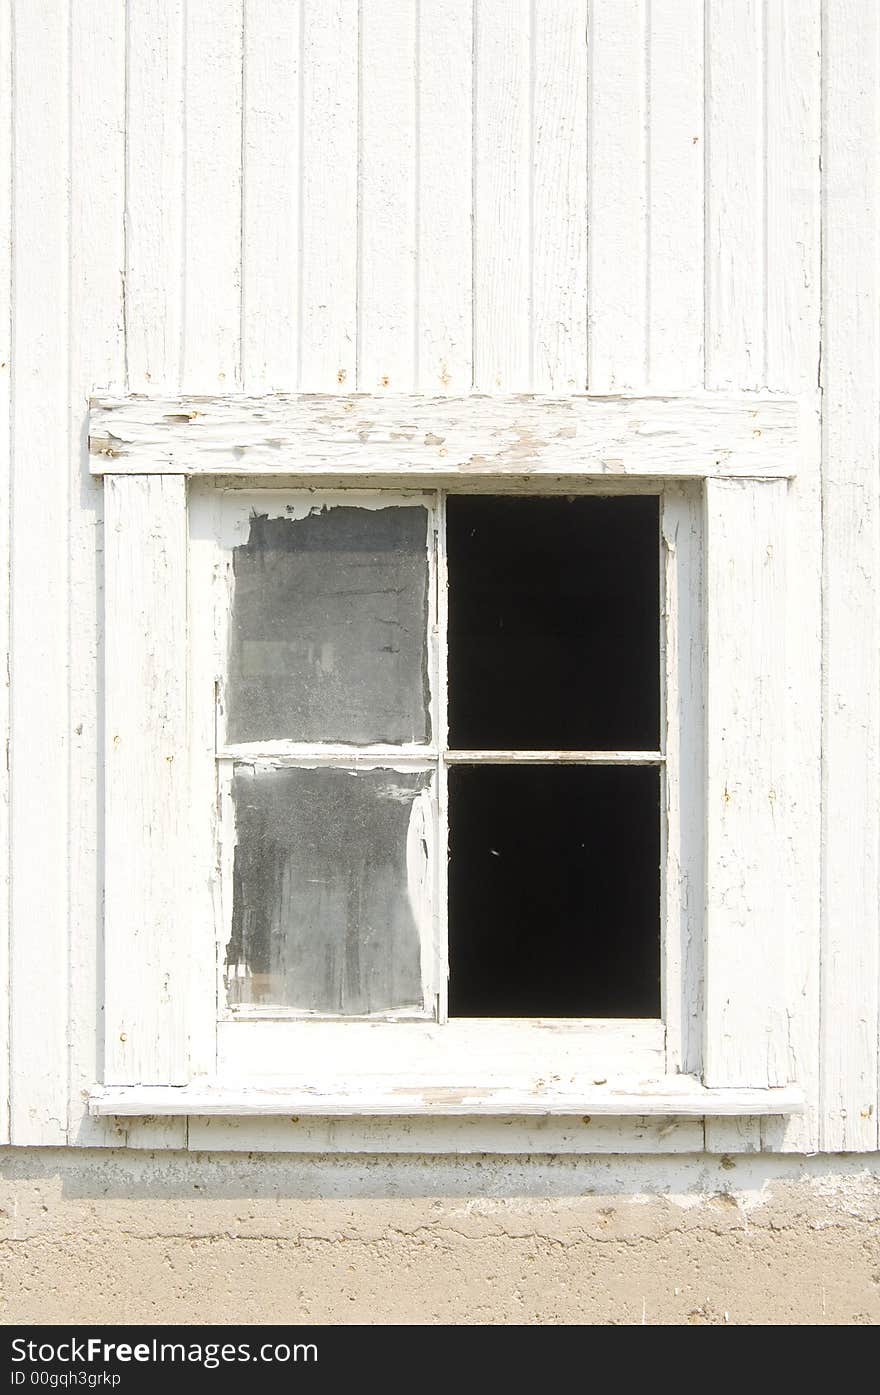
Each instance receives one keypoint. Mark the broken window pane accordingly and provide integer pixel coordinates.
(328, 633)
(329, 889)
(554, 623)
(554, 891)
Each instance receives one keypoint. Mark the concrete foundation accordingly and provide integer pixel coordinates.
(107, 1237)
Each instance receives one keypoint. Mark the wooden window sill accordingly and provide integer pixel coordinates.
(672, 1096)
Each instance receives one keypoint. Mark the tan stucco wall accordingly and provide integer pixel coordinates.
(93, 1236)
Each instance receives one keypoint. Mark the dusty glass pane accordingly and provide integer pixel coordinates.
(328, 879)
(328, 633)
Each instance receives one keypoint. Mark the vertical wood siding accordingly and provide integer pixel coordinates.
(435, 196)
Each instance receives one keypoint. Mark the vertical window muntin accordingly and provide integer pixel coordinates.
(434, 756)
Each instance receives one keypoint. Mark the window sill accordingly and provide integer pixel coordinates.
(670, 1097)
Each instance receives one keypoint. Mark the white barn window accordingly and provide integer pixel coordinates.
(443, 757)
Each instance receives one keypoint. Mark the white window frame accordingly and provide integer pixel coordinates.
(721, 465)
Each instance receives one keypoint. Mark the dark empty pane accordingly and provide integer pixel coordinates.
(328, 634)
(325, 881)
(553, 623)
(554, 891)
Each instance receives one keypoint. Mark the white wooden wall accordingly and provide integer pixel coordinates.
(434, 196)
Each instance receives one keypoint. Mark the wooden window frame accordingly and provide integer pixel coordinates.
(721, 465)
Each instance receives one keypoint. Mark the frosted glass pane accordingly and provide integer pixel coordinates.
(326, 889)
(328, 634)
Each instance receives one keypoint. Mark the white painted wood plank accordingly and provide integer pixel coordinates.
(155, 232)
(851, 516)
(97, 356)
(154, 187)
(735, 194)
(212, 196)
(618, 267)
(39, 623)
(438, 1136)
(450, 1052)
(444, 97)
(684, 779)
(146, 799)
(746, 909)
(470, 436)
(5, 500)
(675, 163)
(793, 343)
(328, 254)
(793, 148)
(559, 198)
(387, 197)
(674, 1097)
(271, 159)
(502, 197)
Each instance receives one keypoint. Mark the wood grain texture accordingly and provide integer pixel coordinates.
(675, 1097)
(675, 193)
(97, 354)
(618, 196)
(444, 97)
(211, 352)
(684, 777)
(793, 37)
(39, 744)
(270, 194)
(746, 1040)
(386, 197)
(154, 192)
(5, 501)
(502, 196)
(470, 436)
(329, 201)
(735, 215)
(559, 119)
(146, 792)
(462, 1136)
(851, 575)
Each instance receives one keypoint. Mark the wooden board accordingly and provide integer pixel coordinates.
(687, 437)
(146, 794)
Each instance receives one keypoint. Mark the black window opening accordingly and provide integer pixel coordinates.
(553, 646)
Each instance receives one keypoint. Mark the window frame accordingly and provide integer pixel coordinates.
(722, 465)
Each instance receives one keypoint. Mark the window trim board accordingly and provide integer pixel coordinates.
(159, 1031)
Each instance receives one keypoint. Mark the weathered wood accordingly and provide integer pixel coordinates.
(211, 291)
(746, 1023)
(468, 437)
(600, 1134)
(328, 210)
(793, 176)
(735, 217)
(444, 270)
(674, 1097)
(6, 106)
(451, 1052)
(270, 193)
(675, 194)
(146, 916)
(154, 192)
(684, 778)
(386, 326)
(40, 596)
(501, 264)
(617, 209)
(559, 192)
(851, 629)
(97, 354)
